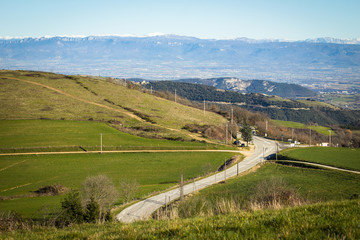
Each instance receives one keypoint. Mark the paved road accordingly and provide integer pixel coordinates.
(143, 210)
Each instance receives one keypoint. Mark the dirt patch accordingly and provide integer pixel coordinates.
(51, 190)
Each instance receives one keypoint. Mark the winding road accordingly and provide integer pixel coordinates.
(142, 210)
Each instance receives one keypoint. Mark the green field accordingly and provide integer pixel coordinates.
(320, 129)
(336, 220)
(60, 135)
(20, 175)
(351, 101)
(311, 185)
(346, 158)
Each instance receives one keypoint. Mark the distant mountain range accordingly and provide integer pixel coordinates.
(316, 61)
(284, 90)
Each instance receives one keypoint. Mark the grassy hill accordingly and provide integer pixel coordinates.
(39, 95)
(293, 186)
(335, 220)
(46, 112)
(303, 111)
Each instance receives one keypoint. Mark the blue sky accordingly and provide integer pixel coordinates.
(219, 19)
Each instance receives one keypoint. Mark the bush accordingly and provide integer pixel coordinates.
(128, 189)
(92, 211)
(72, 210)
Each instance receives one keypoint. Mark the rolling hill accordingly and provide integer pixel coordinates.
(40, 95)
(304, 111)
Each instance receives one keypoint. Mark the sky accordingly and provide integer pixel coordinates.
(215, 19)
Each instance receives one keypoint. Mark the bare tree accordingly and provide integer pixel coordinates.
(129, 189)
(101, 190)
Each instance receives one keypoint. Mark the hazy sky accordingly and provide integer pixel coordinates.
(220, 19)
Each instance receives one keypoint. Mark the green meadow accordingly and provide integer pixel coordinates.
(347, 158)
(21, 175)
(62, 135)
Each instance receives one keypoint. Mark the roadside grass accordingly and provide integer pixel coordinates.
(347, 158)
(309, 185)
(333, 220)
(289, 124)
(21, 175)
(60, 135)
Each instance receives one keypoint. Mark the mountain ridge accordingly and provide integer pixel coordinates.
(244, 39)
(174, 57)
(285, 90)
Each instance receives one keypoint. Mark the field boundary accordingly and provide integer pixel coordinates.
(124, 151)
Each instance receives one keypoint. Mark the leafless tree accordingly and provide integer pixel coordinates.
(101, 190)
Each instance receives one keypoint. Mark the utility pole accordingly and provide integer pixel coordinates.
(329, 138)
(100, 142)
(232, 116)
(237, 169)
(181, 187)
(225, 170)
(226, 132)
(263, 154)
(277, 149)
(204, 106)
(266, 128)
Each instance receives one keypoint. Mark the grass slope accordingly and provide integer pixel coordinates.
(20, 175)
(60, 135)
(336, 220)
(311, 185)
(320, 129)
(83, 98)
(347, 158)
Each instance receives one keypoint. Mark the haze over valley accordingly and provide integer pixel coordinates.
(323, 65)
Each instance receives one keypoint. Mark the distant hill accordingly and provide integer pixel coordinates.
(275, 107)
(284, 90)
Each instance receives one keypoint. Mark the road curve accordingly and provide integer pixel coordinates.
(142, 210)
